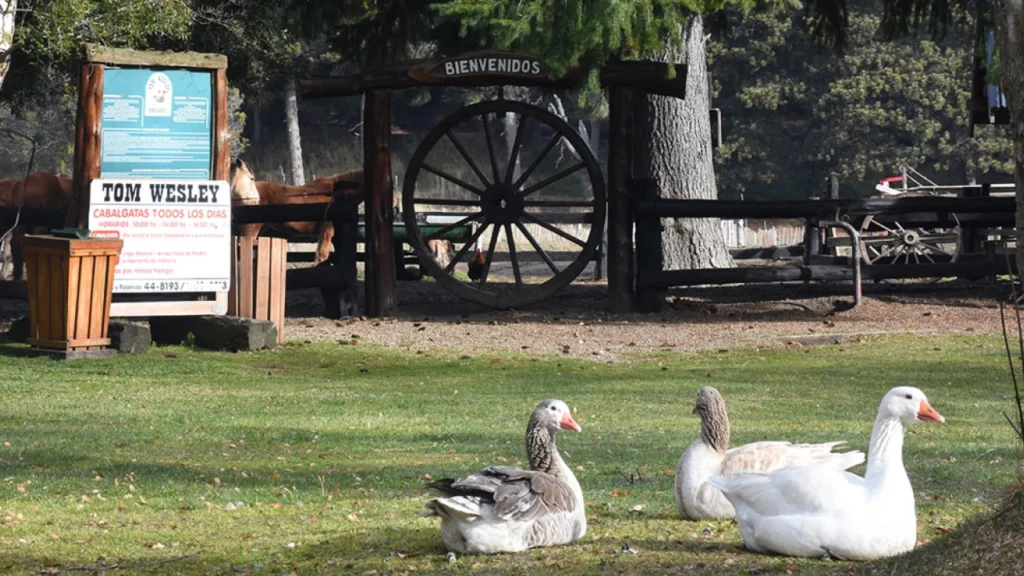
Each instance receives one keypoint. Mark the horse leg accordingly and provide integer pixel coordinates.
(17, 253)
(5, 257)
(323, 243)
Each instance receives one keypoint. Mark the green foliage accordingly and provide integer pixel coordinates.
(51, 34)
(795, 113)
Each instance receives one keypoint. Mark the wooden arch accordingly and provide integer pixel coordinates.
(492, 68)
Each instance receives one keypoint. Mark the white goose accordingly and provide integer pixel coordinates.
(709, 455)
(508, 509)
(820, 511)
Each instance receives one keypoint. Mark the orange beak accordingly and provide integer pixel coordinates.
(927, 413)
(568, 423)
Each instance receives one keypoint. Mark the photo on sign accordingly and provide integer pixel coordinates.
(159, 95)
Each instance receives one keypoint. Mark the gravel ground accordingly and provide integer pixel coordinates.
(575, 322)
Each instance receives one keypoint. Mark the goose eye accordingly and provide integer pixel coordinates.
(910, 396)
(553, 409)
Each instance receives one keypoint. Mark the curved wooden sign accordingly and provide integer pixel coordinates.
(482, 66)
(495, 68)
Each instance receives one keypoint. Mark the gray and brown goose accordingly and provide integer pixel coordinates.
(709, 455)
(508, 509)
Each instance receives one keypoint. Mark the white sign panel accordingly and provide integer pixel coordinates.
(176, 233)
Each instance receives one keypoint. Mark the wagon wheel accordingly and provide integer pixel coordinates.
(893, 243)
(504, 170)
(890, 242)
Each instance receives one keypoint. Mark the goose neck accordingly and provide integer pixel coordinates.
(714, 429)
(886, 449)
(541, 450)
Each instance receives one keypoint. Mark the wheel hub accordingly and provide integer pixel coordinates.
(911, 238)
(502, 205)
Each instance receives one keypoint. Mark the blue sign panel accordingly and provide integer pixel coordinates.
(157, 124)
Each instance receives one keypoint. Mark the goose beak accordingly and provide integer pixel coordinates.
(927, 413)
(568, 423)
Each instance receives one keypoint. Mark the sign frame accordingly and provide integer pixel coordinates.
(88, 148)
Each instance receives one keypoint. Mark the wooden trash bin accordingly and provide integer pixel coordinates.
(70, 284)
(258, 271)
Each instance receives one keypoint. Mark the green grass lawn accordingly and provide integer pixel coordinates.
(311, 458)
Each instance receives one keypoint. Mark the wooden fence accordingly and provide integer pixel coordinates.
(258, 271)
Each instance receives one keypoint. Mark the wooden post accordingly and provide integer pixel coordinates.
(648, 249)
(380, 265)
(812, 234)
(620, 212)
(87, 143)
(222, 128)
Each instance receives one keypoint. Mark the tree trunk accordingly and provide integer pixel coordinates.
(7, 8)
(1009, 20)
(673, 146)
(291, 113)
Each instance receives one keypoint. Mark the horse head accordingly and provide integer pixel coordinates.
(243, 184)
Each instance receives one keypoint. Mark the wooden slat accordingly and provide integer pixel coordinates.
(245, 278)
(70, 344)
(233, 283)
(99, 287)
(84, 305)
(56, 297)
(262, 280)
(71, 281)
(108, 289)
(278, 261)
(42, 327)
(31, 267)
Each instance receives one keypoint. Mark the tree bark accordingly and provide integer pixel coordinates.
(673, 146)
(291, 113)
(7, 9)
(1009, 20)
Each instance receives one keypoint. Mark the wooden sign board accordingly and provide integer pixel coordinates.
(159, 119)
(482, 66)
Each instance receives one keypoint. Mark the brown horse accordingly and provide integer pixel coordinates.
(246, 190)
(38, 190)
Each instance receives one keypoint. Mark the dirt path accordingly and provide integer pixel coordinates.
(575, 323)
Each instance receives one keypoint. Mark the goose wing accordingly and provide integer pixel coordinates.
(514, 493)
(772, 456)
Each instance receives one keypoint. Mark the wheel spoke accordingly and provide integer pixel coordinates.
(536, 162)
(469, 160)
(929, 258)
(490, 149)
(514, 156)
(884, 227)
(457, 181)
(495, 232)
(536, 246)
(554, 230)
(446, 202)
(512, 256)
(462, 251)
(454, 225)
(933, 247)
(551, 179)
